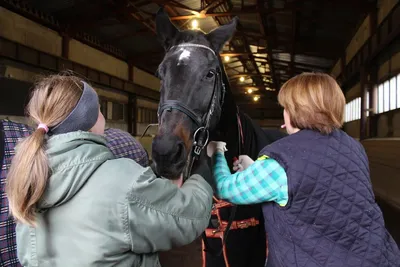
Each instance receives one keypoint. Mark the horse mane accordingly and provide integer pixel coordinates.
(229, 107)
(228, 129)
(254, 137)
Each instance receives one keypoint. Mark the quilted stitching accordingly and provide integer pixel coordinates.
(13, 132)
(332, 218)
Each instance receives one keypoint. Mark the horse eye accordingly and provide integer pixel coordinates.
(210, 74)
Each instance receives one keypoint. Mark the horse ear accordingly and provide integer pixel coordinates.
(166, 30)
(221, 35)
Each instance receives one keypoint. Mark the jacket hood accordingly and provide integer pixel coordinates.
(72, 158)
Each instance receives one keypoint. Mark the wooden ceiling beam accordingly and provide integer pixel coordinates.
(233, 13)
(246, 74)
(293, 48)
(265, 31)
(118, 38)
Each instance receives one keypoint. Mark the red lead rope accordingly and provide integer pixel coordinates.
(214, 233)
(241, 129)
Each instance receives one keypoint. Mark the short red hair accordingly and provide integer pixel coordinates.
(313, 101)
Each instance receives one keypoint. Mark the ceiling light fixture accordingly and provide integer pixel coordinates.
(226, 58)
(195, 24)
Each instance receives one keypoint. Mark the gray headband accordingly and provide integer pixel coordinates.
(84, 116)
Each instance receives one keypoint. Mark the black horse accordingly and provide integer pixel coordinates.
(195, 96)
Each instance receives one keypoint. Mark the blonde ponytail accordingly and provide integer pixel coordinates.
(52, 100)
(29, 167)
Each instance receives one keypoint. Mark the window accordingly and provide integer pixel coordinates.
(380, 98)
(154, 118)
(356, 109)
(353, 109)
(353, 112)
(392, 93)
(139, 115)
(146, 115)
(389, 95)
(111, 110)
(103, 107)
(398, 91)
(386, 90)
(117, 111)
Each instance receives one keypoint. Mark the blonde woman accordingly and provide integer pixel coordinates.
(318, 202)
(76, 205)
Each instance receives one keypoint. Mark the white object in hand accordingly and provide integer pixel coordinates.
(213, 146)
(238, 167)
(242, 163)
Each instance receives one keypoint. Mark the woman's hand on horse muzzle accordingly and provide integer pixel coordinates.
(178, 181)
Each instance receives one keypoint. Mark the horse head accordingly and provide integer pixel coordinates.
(191, 93)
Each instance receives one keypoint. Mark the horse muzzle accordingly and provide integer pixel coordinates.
(169, 154)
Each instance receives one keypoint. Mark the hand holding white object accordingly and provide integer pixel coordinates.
(215, 146)
(242, 163)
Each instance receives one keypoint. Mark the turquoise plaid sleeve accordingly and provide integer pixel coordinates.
(265, 180)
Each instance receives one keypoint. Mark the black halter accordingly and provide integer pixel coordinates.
(201, 135)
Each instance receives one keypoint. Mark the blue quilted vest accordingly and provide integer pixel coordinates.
(331, 218)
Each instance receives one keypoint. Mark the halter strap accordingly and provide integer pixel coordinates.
(174, 104)
(195, 45)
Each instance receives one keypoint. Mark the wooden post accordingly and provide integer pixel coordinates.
(364, 90)
(130, 71)
(373, 97)
(65, 45)
(343, 67)
(131, 103)
(134, 115)
(130, 114)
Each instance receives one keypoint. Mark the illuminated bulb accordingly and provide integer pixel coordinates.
(226, 58)
(241, 79)
(250, 91)
(255, 98)
(195, 24)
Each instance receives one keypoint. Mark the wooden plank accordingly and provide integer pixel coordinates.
(51, 63)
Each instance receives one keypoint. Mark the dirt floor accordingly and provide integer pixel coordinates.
(392, 219)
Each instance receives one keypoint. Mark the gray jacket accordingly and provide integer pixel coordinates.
(101, 211)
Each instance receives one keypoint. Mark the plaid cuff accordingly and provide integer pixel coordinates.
(265, 180)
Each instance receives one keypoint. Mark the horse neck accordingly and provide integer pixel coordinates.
(231, 133)
(227, 128)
